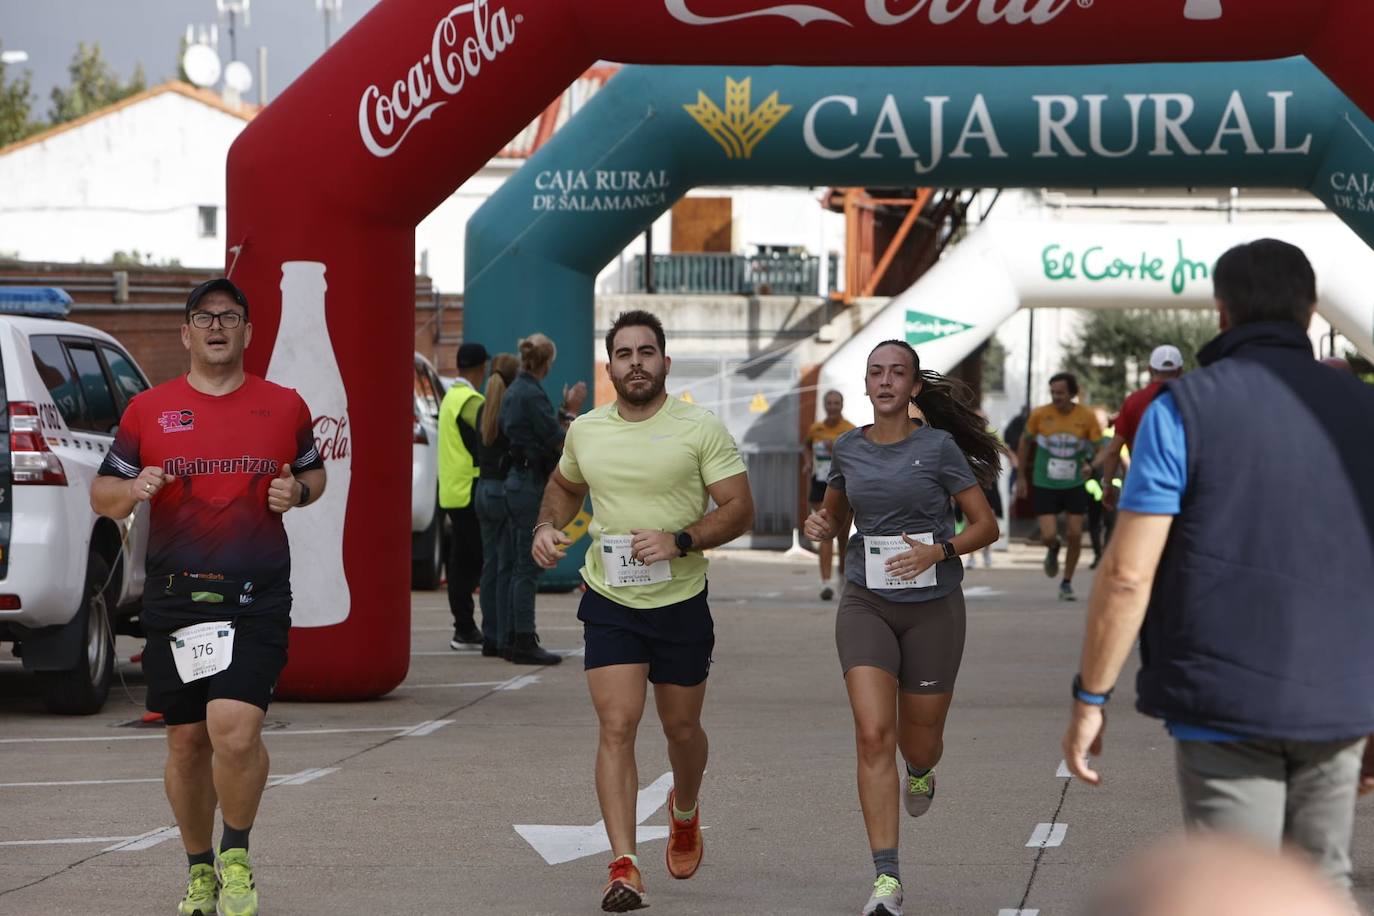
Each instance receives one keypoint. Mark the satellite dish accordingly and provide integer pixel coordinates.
(202, 65)
(238, 77)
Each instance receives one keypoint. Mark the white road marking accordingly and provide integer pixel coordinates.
(304, 776)
(982, 591)
(269, 733)
(66, 841)
(425, 728)
(146, 840)
(520, 683)
(460, 684)
(570, 653)
(1047, 835)
(558, 844)
(1018, 913)
(1063, 771)
(282, 779)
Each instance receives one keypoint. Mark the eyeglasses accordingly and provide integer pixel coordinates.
(227, 320)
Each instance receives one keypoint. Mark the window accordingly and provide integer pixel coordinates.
(56, 372)
(102, 414)
(127, 379)
(424, 391)
(208, 222)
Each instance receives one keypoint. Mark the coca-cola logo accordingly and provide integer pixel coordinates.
(332, 438)
(939, 12)
(457, 53)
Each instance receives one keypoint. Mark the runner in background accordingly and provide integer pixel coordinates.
(1166, 362)
(820, 444)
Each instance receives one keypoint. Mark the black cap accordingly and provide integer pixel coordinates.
(217, 285)
(472, 354)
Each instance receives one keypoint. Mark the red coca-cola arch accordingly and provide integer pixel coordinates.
(415, 98)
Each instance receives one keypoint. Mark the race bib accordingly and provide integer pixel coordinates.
(622, 569)
(876, 552)
(1062, 469)
(820, 470)
(203, 649)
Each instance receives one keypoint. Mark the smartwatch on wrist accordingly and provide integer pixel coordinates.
(684, 542)
(305, 493)
(1083, 696)
(948, 548)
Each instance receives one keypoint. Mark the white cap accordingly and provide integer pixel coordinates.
(1166, 359)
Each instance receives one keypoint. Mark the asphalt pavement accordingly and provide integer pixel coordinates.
(469, 789)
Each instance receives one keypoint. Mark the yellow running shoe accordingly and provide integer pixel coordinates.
(238, 895)
(202, 890)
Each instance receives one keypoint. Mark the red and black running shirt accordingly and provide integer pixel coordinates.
(215, 550)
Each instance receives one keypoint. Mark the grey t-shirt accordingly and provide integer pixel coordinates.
(902, 488)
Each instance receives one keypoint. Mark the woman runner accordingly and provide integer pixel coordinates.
(900, 622)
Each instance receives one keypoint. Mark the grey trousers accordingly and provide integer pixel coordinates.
(1274, 791)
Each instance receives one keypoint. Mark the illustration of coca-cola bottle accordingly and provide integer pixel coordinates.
(303, 359)
(1202, 9)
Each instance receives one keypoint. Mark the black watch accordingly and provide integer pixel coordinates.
(950, 552)
(684, 542)
(305, 493)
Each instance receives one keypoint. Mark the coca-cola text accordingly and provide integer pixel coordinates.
(332, 437)
(453, 58)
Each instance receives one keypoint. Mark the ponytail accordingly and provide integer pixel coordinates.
(503, 369)
(948, 404)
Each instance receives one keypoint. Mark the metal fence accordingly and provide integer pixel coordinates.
(735, 274)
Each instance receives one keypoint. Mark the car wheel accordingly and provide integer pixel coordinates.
(427, 554)
(81, 691)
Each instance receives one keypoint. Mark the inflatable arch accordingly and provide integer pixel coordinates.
(1011, 263)
(326, 186)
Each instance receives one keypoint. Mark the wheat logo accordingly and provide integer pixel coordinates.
(737, 129)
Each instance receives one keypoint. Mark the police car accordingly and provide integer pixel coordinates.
(426, 519)
(69, 579)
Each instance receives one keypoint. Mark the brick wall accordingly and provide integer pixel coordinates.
(148, 319)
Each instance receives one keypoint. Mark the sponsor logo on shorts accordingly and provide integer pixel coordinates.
(929, 683)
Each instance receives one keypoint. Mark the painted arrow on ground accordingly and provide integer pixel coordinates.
(559, 844)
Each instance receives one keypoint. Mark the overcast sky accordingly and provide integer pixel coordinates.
(148, 32)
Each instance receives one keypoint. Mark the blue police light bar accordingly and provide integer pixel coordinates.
(35, 301)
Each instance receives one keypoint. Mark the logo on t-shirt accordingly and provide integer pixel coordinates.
(176, 421)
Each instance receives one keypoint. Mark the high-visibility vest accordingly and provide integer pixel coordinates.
(457, 466)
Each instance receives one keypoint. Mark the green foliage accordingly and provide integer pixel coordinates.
(16, 105)
(94, 85)
(1111, 356)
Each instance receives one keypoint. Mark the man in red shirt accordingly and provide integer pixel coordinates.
(220, 456)
(1166, 362)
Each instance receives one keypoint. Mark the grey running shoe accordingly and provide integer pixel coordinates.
(1066, 592)
(886, 899)
(1052, 560)
(918, 792)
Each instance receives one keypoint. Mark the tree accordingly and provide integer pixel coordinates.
(1111, 356)
(16, 104)
(94, 85)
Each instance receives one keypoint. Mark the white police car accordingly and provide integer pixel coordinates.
(426, 520)
(69, 579)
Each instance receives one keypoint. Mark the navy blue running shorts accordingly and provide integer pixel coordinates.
(675, 641)
(259, 657)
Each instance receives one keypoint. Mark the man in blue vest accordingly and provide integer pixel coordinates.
(459, 446)
(1242, 558)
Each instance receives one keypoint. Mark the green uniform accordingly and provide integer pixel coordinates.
(650, 474)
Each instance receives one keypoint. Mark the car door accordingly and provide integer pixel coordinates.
(127, 380)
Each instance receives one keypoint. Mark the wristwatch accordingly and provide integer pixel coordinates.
(305, 493)
(948, 548)
(684, 542)
(1083, 696)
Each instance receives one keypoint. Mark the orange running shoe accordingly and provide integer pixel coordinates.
(685, 847)
(625, 889)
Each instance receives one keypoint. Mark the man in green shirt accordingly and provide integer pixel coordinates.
(650, 463)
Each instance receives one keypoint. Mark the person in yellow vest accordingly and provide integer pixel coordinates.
(459, 447)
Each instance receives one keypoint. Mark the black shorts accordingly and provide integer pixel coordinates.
(817, 494)
(259, 656)
(675, 641)
(1047, 501)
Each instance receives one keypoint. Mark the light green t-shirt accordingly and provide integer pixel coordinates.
(650, 474)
